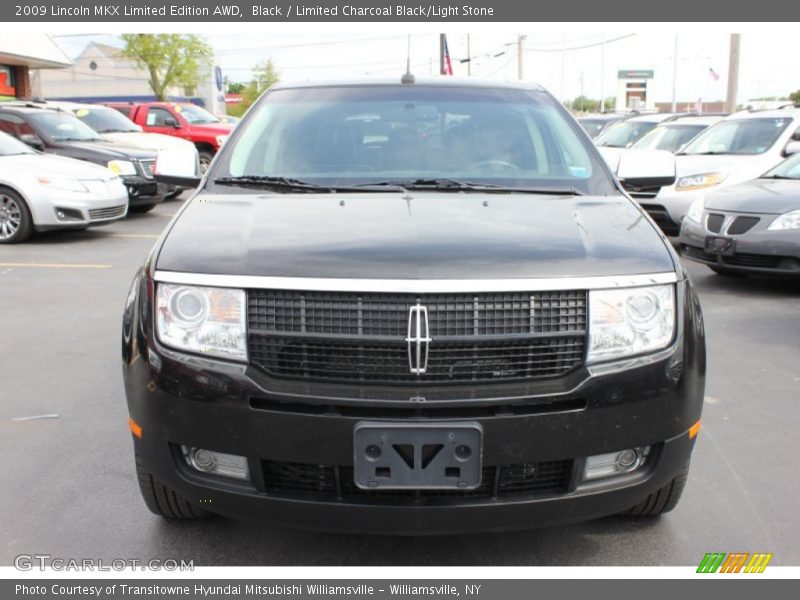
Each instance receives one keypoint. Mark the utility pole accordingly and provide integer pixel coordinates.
(469, 58)
(442, 42)
(602, 77)
(733, 72)
(563, 52)
(520, 52)
(675, 76)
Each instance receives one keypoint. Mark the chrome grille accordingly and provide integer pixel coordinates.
(362, 337)
(147, 167)
(100, 214)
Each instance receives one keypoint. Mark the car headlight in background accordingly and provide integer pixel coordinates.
(790, 220)
(221, 139)
(695, 212)
(121, 167)
(698, 182)
(630, 321)
(58, 183)
(204, 320)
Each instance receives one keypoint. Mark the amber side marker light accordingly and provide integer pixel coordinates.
(135, 428)
(694, 430)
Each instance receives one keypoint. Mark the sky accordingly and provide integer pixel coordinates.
(768, 65)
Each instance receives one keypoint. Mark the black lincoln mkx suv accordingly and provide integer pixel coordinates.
(412, 307)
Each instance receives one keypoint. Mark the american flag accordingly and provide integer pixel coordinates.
(448, 66)
(713, 74)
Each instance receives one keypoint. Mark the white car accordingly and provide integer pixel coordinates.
(739, 148)
(672, 136)
(113, 125)
(39, 192)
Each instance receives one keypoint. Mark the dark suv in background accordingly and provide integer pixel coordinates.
(417, 307)
(58, 132)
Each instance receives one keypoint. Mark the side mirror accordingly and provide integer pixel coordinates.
(171, 122)
(791, 148)
(646, 168)
(34, 141)
(178, 167)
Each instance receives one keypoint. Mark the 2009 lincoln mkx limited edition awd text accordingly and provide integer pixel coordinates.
(412, 307)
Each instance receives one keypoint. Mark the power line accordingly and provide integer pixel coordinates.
(622, 37)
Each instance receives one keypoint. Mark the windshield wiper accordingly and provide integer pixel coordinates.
(447, 184)
(777, 177)
(708, 153)
(270, 182)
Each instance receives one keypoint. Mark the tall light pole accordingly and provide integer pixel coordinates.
(603, 76)
(733, 72)
(520, 52)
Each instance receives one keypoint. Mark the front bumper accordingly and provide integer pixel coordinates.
(143, 191)
(61, 209)
(181, 400)
(668, 208)
(758, 251)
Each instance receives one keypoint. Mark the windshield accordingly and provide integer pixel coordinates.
(391, 134)
(105, 120)
(195, 115)
(61, 127)
(669, 137)
(622, 135)
(742, 136)
(592, 127)
(9, 146)
(788, 169)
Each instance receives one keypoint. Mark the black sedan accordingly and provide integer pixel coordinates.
(751, 227)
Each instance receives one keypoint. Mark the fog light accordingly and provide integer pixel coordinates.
(615, 463)
(68, 214)
(217, 463)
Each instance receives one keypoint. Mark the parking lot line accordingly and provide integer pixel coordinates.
(135, 235)
(53, 266)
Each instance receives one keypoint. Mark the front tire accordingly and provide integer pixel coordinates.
(16, 223)
(163, 501)
(663, 500)
(205, 159)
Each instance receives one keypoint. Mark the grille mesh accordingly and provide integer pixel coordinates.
(332, 482)
(476, 337)
(714, 222)
(147, 168)
(98, 214)
(742, 225)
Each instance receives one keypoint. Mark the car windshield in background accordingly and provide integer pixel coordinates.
(622, 135)
(10, 146)
(195, 115)
(61, 127)
(743, 136)
(592, 127)
(391, 135)
(668, 137)
(105, 120)
(788, 169)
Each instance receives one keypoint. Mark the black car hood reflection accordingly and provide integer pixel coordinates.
(766, 196)
(424, 236)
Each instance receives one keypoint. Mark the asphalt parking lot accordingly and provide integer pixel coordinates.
(68, 482)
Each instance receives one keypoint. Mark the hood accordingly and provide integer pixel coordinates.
(611, 156)
(213, 128)
(148, 141)
(739, 167)
(770, 196)
(429, 236)
(109, 150)
(51, 165)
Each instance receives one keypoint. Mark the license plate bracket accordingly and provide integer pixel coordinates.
(723, 246)
(418, 455)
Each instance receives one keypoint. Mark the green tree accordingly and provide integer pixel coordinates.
(795, 97)
(264, 76)
(170, 59)
(584, 104)
(234, 87)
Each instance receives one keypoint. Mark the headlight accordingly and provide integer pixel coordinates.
(695, 212)
(221, 139)
(121, 167)
(790, 220)
(630, 321)
(698, 182)
(71, 185)
(205, 320)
